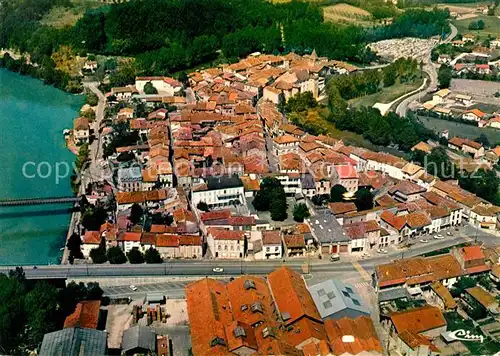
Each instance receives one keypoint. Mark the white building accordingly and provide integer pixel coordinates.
(129, 179)
(271, 245)
(81, 130)
(164, 85)
(219, 192)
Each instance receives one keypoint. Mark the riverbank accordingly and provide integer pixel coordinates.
(32, 119)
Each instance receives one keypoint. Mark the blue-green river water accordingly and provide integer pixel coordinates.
(32, 119)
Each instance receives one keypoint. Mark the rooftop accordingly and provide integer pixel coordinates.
(418, 320)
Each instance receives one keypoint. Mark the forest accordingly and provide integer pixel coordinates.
(167, 36)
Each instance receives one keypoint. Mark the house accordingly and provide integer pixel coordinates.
(294, 245)
(473, 115)
(412, 344)
(463, 99)
(484, 216)
(336, 300)
(296, 307)
(494, 122)
(285, 144)
(441, 95)
(427, 321)
(91, 240)
(273, 94)
(478, 296)
(469, 37)
(422, 146)
(165, 86)
(440, 295)
(123, 93)
(346, 176)
(219, 192)
(328, 233)
(81, 130)
(495, 43)
(86, 315)
(365, 340)
(271, 244)
(467, 146)
(225, 244)
(418, 271)
(179, 246)
(128, 240)
(129, 179)
(482, 69)
(74, 342)
(406, 191)
(139, 339)
(471, 259)
(364, 235)
(90, 66)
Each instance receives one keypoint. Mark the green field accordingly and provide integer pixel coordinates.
(459, 129)
(386, 95)
(61, 16)
(492, 26)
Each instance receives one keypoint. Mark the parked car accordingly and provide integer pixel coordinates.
(438, 237)
(134, 288)
(218, 270)
(382, 251)
(449, 233)
(424, 241)
(334, 257)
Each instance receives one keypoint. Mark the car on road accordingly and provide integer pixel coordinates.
(424, 241)
(218, 270)
(438, 237)
(449, 233)
(134, 288)
(382, 251)
(335, 257)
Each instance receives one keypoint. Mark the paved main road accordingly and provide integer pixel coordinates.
(201, 268)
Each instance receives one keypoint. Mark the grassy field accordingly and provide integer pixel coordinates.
(492, 26)
(459, 129)
(60, 16)
(347, 14)
(386, 95)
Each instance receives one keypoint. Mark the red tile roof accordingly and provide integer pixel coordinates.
(271, 237)
(346, 171)
(130, 236)
(86, 315)
(361, 328)
(472, 253)
(92, 237)
(221, 234)
(291, 295)
(418, 320)
(413, 340)
(397, 222)
(215, 215)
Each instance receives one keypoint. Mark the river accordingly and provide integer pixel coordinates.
(32, 119)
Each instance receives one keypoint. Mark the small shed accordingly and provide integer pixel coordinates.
(155, 298)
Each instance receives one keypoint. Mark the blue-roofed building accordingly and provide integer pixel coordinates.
(74, 342)
(335, 300)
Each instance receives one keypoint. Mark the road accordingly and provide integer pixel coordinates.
(430, 69)
(96, 145)
(203, 268)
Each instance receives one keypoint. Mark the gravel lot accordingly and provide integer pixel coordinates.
(480, 90)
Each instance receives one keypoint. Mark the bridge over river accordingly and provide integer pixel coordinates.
(38, 201)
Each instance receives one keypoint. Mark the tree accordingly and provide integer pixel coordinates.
(94, 291)
(462, 284)
(264, 196)
(202, 206)
(300, 212)
(363, 199)
(484, 183)
(135, 256)
(486, 282)
(92, 99)
(136, 213)
(150, 89)
(300, 102)
(443, 141)
(152, 256)
(115, 255)
(93, 218)
(444, 76)
(278, 209)
(483, 140)
(74, 246)
(98, 256)
(337, 193)
(438, 163)
(11, 312)
(41, 308)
